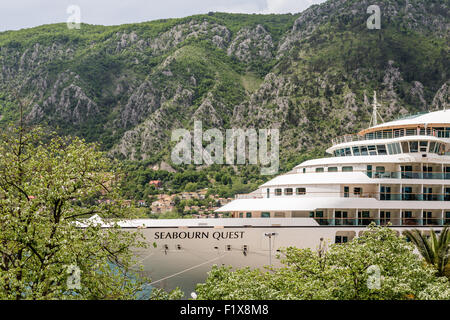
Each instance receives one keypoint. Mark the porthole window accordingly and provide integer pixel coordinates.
(278, 192)
(288, 192)
(300, 191)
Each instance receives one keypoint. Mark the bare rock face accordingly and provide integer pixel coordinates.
(153, 134)
(67, 102)
(414, 15)
(125, 40)
(392, 77)
(218, 34)
(416, 93)
(75, 106)
(141, 103)
(207, 112)
(137, 83)
(442, 98)
(251, 44)
(268, 105)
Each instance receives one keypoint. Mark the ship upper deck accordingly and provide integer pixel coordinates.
(433, 124)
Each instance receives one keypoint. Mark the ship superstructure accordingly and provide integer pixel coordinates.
(396, 172)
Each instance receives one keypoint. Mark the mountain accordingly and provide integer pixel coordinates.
(312, 74)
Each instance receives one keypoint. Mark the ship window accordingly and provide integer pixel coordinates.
(332, 169)
(347, 169)
(356, 151)
(380, 169)
(432, 146)
(342, 153)
(441, 149)
(278, 192)
(405, 147)
(423, 146)
(381, 149)
(357, 191)
(394, 148)
(348, 152)
(300, 191)
(265, 214)
(248, 214)
(319, 170)
(304, 170)
(372, 150)
(413, 146)
(436, 149)
(391, 148)
(288, 191)
(341, 239)
(241, 214)
(364, 151)
(398, 133)
(346, 191)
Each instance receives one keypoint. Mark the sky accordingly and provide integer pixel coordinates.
(18, 14)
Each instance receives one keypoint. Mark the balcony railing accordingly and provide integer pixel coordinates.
(383, 196)
(408, 175)
(406, 196)
(395, 221)
(249, 196)
(396, 133)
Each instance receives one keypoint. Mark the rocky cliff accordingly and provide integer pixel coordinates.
(312, 75)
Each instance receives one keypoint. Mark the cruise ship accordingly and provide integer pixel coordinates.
(395, 173)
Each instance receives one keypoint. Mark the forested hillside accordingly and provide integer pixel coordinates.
(312, 75)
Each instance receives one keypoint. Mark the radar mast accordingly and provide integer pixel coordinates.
(375, 113)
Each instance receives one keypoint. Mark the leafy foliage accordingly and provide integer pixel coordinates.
(48, 185)
(434, 249)
(343, 272)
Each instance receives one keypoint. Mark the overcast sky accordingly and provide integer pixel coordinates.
(17, 14)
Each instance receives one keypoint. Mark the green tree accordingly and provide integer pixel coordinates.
(47, 187)
(434, 249)
(343, 272)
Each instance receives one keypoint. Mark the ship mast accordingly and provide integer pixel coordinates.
(375, 113)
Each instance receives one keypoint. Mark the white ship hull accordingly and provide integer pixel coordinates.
(183, 256)
(396, 172)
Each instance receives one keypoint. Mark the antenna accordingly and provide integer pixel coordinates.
(375, 113)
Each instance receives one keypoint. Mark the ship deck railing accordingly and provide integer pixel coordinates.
(408, 175)
(249, 196)
(378, 195)
(390, 134)
(382, 221)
